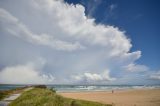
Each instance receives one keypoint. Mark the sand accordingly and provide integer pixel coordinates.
(145, 97)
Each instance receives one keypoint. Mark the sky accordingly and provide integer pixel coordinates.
(79, 42)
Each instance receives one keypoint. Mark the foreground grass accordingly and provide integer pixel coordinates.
(47, 97)
(6, 93)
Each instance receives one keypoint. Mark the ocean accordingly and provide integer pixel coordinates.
(8, 87)
(79, 88)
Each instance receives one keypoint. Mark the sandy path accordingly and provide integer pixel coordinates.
(150, 97)
(10, 98)
(7, 100)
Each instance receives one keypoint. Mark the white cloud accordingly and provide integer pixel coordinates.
(93, 77)
(62, 26)
(12, 25)
(74, 23)
(155, 76)
(136, 68)
(24, 74)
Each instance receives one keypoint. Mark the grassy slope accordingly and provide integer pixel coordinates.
(6, 93)
(46, 97)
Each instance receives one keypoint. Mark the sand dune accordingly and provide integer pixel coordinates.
(145, 97)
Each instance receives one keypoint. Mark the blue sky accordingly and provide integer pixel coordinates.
(79, 42)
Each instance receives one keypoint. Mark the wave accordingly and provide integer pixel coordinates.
(78, 88)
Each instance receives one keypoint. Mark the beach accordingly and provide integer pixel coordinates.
(135, 97)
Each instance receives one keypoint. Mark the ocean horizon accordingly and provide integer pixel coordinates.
(82, 88)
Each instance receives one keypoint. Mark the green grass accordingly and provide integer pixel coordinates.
(47, 97)
(6, 93)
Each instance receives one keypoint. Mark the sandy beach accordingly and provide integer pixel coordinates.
(141, 97)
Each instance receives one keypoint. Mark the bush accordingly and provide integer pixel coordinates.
(73, 103)
(53, 90)
(40, 86)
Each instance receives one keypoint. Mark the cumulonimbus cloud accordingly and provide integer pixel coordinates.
(13, 26)
(72, 20)
(66, 27)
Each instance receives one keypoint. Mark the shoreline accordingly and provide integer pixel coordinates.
(129, 97)
(109, 90)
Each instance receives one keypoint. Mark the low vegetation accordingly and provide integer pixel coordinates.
(6, 93)
(40, 86)
(48, 97)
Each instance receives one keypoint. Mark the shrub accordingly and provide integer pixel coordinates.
(40, 86)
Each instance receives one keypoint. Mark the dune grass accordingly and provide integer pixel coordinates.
(6, 93)
(47, 97)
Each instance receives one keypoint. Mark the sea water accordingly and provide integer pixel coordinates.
(79, 88)
(8, 86)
